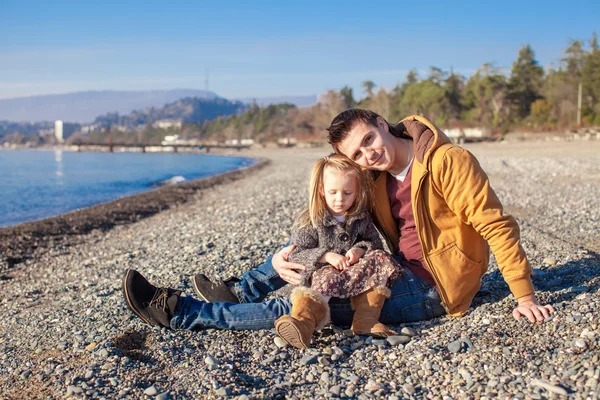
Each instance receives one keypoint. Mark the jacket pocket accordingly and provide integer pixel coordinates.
(458, 275)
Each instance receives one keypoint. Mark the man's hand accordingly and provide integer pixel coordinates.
(338, 261)
(529, 307)
(287, 270)
(354, 254)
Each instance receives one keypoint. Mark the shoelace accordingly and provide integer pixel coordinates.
(160, 299)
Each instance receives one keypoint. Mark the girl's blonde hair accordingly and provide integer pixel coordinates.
(317, 206)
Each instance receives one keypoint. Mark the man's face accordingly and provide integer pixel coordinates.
(369, 146)
(339, 190)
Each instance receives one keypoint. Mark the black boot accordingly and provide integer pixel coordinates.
(214, 291)
(152, 304)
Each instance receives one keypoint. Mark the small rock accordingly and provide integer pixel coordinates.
(372, 386)
(279, 342)
(211, 361)
(549, 387)
(308, 359)
(74, 390)
(550, 261)
(91, 346)
(348, 333)
(398, 339)
(580, 343)
(335, 390)
(408, 388)
(222, 391)
(379, 342)
(455, 346)
(151, 391)
(408, 331)
(324, 361)
(164, 396)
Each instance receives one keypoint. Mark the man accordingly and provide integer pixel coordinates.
(434, 206)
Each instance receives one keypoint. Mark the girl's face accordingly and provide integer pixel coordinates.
(339, 189)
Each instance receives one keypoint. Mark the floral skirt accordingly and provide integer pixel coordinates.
(374, 269)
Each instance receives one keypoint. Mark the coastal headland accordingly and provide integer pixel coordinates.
(66, 330)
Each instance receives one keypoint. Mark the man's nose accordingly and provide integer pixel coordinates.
(370, 153)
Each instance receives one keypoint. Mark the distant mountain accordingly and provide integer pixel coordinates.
(86, 106)
(186, 110)
(298, 101)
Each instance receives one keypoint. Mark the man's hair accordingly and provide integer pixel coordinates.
(346, 120)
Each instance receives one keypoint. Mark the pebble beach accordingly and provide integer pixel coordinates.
(66, 331)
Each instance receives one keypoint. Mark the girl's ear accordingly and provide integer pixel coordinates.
(321, 191)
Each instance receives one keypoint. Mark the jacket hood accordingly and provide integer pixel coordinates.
(426, 136)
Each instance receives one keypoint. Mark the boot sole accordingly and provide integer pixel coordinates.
(129, 301)
(197, 290)
(291, 335)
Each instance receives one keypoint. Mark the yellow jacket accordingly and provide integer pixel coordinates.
(458, 217)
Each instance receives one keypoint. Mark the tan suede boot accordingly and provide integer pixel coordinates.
(367, 309)
(310, 312)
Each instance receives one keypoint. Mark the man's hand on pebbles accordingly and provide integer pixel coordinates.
(529, 307)
(288, 271)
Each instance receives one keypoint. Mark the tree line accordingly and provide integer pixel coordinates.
(529, 96)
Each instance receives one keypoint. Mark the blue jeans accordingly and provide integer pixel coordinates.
(412, 300)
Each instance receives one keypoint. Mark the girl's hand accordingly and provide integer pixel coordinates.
(529, 307)
(338, 261)
(354, 254)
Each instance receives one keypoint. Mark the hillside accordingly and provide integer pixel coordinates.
(186, 110)
(85, 106)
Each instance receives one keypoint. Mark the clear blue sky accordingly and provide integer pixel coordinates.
(255, 48)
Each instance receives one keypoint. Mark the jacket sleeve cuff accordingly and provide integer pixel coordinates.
(521, 287)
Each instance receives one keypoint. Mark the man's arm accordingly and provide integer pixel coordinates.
(468, 193)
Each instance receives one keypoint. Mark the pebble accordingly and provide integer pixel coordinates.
(550, 261)
(211, 361)
(151, 391)
(549, 387)
(223, 391)
(406, 331)
(580, 343)
(308, 359)
(324, 361)
(164, 396)
(455, 346)
(408, 388)
(71, 390)
(398, 339)
(279, 342)
(335, 390)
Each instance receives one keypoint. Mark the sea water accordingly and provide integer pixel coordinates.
(38, 184)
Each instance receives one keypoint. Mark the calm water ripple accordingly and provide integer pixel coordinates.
(39, 184)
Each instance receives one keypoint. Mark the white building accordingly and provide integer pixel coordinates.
(167, 123)
(58, 131)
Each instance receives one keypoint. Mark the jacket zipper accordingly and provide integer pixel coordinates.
(426, 253)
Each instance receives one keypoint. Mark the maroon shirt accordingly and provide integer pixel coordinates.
(409, 247)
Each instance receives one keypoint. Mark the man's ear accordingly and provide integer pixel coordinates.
(382, 124)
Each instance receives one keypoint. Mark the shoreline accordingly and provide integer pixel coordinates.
(21, 241)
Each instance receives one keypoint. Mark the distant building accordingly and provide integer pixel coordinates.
(167, 123)
(58, 131)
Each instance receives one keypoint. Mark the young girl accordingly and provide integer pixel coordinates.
(339, 246)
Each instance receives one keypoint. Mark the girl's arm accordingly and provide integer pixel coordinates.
(368, 239)
(307, 251)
